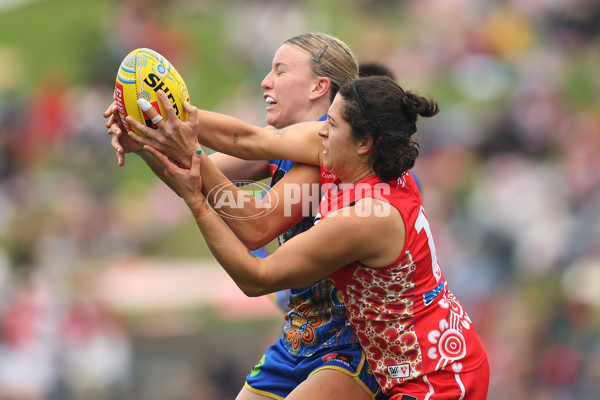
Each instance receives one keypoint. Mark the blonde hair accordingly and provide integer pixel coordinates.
(331, 58)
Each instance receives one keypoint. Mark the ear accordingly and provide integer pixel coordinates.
(364, 146)
(320, 88)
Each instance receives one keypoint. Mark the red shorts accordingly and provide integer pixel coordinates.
(444, 385)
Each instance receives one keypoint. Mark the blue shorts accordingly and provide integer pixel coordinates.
(279, 372)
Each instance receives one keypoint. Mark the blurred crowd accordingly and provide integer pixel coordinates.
(510, 171)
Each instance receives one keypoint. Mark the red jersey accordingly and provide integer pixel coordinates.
(408, 322)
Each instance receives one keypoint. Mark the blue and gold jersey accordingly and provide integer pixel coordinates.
(315, 317)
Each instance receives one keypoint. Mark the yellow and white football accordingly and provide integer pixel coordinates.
(142, 73)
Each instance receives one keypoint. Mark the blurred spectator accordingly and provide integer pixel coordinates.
(96, 352)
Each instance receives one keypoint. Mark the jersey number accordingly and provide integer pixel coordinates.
(422, 224)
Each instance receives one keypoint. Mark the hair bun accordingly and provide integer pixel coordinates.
(415, 105)
(411, 105)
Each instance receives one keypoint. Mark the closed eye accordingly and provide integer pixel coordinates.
(330, 122)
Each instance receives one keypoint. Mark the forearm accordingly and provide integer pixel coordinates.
(255, 276)
(294, 264)
(242, 266)
(245, 214)
(225, 134)
(229, 135)
(241, 170)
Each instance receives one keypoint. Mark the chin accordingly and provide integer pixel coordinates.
(272, 121)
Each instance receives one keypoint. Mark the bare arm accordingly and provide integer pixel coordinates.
(228, 135)
(258, 221)
(233, 167)
(236, 169)
(341, 238)
(299, 142)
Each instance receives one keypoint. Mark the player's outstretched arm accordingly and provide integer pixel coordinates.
(228, 135)
(256, 221)
(241, 170)
(336, 241)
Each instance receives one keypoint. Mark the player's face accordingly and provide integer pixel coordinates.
(340, 154)
(288, 86)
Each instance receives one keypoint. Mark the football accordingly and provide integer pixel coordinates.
(142, 73)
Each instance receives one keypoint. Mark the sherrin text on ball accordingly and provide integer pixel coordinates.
(141, 75)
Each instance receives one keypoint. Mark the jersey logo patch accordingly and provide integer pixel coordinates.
(399, 371)
(348, 358)
(432, 294)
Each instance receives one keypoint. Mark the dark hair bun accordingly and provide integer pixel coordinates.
(415, 105)
(379, 108)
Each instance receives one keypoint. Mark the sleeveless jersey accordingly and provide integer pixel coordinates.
(408, 322)
(316, 318)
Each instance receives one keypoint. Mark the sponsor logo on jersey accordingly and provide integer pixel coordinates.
(256, 369)
(343, 358)
(399, 371)
(432, 294)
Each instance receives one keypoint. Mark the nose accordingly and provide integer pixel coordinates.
(267, 82)
(323, 131)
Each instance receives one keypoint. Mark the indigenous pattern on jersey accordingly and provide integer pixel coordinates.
(407, 320)
(316, 318)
